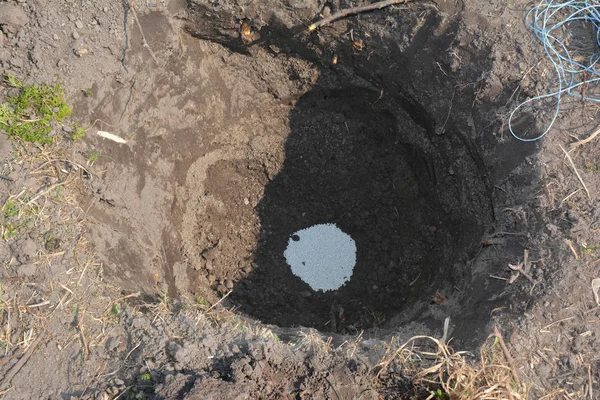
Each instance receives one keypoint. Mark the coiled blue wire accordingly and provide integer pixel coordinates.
(545, 20)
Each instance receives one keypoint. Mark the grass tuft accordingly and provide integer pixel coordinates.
(441, 373)
(29, 115)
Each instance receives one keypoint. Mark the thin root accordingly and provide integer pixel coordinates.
(354, 10)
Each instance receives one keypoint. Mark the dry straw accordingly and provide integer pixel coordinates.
(438, 372)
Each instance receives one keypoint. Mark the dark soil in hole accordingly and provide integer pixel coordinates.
(384, 144)
(414, 205)
(387, 145)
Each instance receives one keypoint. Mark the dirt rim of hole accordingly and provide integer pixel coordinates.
(242, 127)
(368, 148)
(380, 142)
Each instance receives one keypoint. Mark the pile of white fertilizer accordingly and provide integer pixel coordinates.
(322, 256)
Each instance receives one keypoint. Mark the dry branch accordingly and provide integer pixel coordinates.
(576, 172)
(509, 358)
(17, 367)
(84, 345)
(354, 10)
(581, 142)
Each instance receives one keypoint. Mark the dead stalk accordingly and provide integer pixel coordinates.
(218, 302)
(17, 367)
(85, 348)
(576, 172)
(590, 382)
(581, 142)
(354, 10)
(509, 358)
(129, 296)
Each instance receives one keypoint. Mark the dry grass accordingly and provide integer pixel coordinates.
(438, 372)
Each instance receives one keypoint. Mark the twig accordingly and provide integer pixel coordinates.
(509, 358)
(557, 322)
(590, 382)
(61, 160)
(446, 326)
(354, 10)
(449, 113)
(82, 273)
(218, 302)
(17, 367)
(131, 351)
(43, 192)
(570, 244)
(7, 178)
(43, 303)
(144, 42)
(123, 392)
(7, 328)
(588, 139)
(569, 196)
(496, 234)
(136, 294)
(86, 350)
(595, 287)
(519, 268)
(576, 172)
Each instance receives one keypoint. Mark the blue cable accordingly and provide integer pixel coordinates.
(546, 20)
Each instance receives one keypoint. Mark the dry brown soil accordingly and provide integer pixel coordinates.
(390, 124)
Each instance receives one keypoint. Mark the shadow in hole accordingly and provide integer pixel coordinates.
(362, 163)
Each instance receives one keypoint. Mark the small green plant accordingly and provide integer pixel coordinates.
(78, 132)
(87, 93)
(116, 309)
(94, 156)
(146, 377)
(439, 394)
(30, 114)
(10, 209)
(240, 325)
(590, 249)
(202, 303)
(12, 222)
(165, 299)
(12, 81)
(591, 167)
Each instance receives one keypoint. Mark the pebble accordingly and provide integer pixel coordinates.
(79, 24)
(246, 201)
(75, 35)
(82, 52)
(55, 36)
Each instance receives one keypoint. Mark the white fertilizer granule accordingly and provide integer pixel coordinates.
(322, 256)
